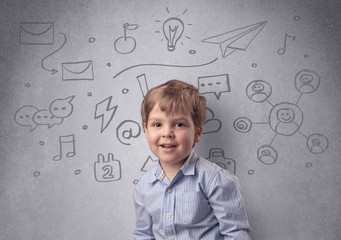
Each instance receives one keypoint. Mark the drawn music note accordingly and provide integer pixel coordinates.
(66, 147)
(281, 51)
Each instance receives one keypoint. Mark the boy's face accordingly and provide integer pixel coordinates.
(171, 137)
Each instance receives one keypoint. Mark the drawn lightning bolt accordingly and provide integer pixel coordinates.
(105, 111)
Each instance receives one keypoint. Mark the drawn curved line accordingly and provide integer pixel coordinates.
(165, 65)
(74, 72)
(53, 71)
(36, 34)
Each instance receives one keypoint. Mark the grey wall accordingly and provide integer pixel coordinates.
(72, 148)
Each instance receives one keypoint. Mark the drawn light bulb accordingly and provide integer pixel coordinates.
(173, 29)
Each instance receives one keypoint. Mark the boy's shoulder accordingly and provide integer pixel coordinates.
(206, 168)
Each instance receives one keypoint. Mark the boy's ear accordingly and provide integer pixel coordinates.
(198, 135)
(145, 130)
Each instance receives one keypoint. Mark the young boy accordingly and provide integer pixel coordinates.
(184, 197)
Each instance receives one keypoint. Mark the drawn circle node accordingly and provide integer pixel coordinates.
(309, 164)
(267, 155)
(317, 143)
(307, 81)
(36, 174)
(27, 85)
(254, 65)
(125, 90)
(250, 172)
(242, 124)
(258, 90)
(285, 118)
(92, 40)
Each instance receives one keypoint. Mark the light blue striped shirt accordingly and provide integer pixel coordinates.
(203, 201)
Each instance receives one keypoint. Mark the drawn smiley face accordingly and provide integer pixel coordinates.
(266, 152)
(306, 79)
(258, 87)
(258, 90)
(62, 108)
(285, 115)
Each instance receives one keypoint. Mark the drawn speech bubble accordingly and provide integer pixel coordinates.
(62, 108)
(44, 117)
(24, 117)
(214, 84)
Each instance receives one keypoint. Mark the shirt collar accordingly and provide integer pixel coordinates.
(187, 169)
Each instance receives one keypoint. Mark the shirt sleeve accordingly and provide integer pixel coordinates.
(143, 230)
(228, 206)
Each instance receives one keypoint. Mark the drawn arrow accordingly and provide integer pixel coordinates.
(53, 71)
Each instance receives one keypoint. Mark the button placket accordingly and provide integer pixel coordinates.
(169, 213)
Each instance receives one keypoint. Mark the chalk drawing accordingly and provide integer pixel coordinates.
(126, 44)
(105, 111)
(238, 39)
(107, 169)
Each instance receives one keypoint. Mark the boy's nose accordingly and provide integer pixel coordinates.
(168, 132)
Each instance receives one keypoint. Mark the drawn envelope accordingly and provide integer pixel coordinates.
(77, 71)
(36, 33)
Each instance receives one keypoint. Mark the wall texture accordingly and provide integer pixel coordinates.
(74, 73)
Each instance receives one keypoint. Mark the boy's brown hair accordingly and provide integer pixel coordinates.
(175, 96)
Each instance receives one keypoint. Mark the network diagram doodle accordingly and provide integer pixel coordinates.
(238, 39)
(285, 118)
(30, 116)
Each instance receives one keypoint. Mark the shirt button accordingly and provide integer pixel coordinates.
(169, 215)
(170, 190)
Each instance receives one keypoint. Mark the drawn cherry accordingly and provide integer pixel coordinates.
(124, 44)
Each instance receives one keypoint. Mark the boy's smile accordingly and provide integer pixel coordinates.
(171, 137)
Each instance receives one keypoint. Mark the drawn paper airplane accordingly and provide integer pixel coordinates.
(238, 39)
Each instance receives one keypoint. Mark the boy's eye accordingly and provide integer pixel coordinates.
(156, 124)
(179, 124)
